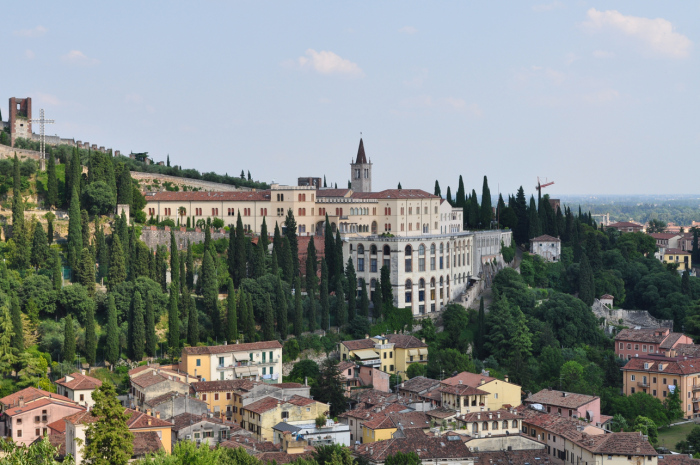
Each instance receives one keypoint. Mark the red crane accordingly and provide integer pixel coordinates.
(541, 186)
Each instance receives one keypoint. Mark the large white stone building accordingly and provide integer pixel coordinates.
(418, 235)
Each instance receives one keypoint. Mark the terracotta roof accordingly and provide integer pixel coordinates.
(262, 405)
(328, 192)
(676, 252)
(405, 341)
(607, 296)
(361, 158)
(410, 420)
(41, 403)
(677, 459)
(419, 384)
(58, 426)
(441, 412)
(395, 194)
(671, 340)
(482, 416)
(80, 382)
(146, 442)
(30, 394)
(283, 457)
(80, 418)
(651, 336)
(471, 379)
(222, 349)
(163, 398)
(462, 390)
(427, 447)
(663, 236)
(139, 420)
(625, 444)
(202, 196)
(545, 238)
(141, 369)
(342, 366)
(532, 456)
(369, 413)
(288, 385)
(680, 367)
(688, 350)
(56, 440)
(570, 400)
(373, 396)
(359, 344)
(224, 385)
(379, 422)
(186, 419)
(300, 401)
(150, 380)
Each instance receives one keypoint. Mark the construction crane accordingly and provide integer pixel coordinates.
(541, 186)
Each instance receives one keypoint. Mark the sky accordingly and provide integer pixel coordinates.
(599, 97)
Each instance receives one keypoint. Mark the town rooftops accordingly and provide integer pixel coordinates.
(228, 348)
(671, 340)
(564, 399)
(405, 341)
(187, 419)
(79, 382)
(359, 344)
(40, 403)
(167, 397)
(419, 384)
(676, 252)
(136, 419)
(269, 403)
(545, 238)
(146, 442)
(607, 296)
(502, 414)
(426, 447)
(28, 395)
(663, 236)
(625, 444)
(204, 196)
(224, 385)
(651, 336)
(152, 379)
(58, 426)
(289, 385)
(471, 379)
(342, 366)
(462, 390)
(395, 194)
(328, 192)
(678, 367)
(441, 413)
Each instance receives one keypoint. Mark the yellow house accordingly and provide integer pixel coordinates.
(501, 393)
(224, 397)
(658, 378)
(260, 361)
(682, 258)
(391, 353)
(384, 425)
(260, 416)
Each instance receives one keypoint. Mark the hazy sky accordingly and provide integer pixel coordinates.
(601, 97)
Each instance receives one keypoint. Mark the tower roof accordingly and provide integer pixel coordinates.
(361, 158)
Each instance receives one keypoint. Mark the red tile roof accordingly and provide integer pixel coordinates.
(262, 405)
(481, 416)
(564, 399)
(224, 385)
(58, 426)
(79, 382)
(428, 448)
(328, 192)
(359, 344)
(419, 384)
(146, 442)
(139, 420)
(471, 379)
(676, 252)
(222, 349)
(41, 403)
(300, 401)
(152, 379)
(679, 367)
(29, 394)
(395, 194)
(545, 238)
(405, 341)
(651, 336)
(663, 236)
(463, 390)
(235, 196)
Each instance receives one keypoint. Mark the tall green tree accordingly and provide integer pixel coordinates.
(486, 208)
(108, 440)
(281, 306)
(251, 319)
(586, 283)
(364, 301)
(68, 339)
(40, 247)
(239, 271)
(193, 320)
(448, 197)
(298, 327)
(291, 234)
(117, 268)
(86, 271)
(461, 196)
(85, 228)
(112, 345)
(210, 292)
(480, 335)
(341, 310)
(268, 324)
(17, 202)
(125, 187)
(173, 326)
(387, 289)
(190, 267)
(329, 388)
(377, 301)
(264, 237)
(174, 264)
(328, 249)
(351, 279)
(312, 264)
(436, 191)
(287, 261)
(521, 233)
(325, 307)
(137, 343)
(90, 336)
(17, 326)
(231, 316)
(533, 220)
(51, 182)
(102, 250)
(151, 338)
(7, 352)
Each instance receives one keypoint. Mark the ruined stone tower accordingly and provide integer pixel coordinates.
(20, 119)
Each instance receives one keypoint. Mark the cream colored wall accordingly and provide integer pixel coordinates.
(215, 374)
(507, 394)
(374, 435)
(270, 418)
(75, 441)
(189, 365)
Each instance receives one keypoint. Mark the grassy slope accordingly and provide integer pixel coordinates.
(668, 437)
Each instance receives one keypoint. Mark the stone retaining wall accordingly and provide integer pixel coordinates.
(153, 236)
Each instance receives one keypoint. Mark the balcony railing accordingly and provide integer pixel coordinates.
(696, 387)
(644, 384)
(248, 364)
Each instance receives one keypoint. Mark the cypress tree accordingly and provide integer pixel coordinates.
(183, 272)
(193, 320)
(595, 258)
(298, 310)
(17, 340)
(207, 236)
(325, 310)
(84, 228)
(210, 292)
(125, 187)
(112, 345)
(377, 300)
(138, 331)
(90, 336)
(243, 314)
(264, 237)
(274, 268)
(461, 196)
(68, 339)
(231, 317)
(281, 304)
(351, 279)
(578, 250)
(480, 336)
(534, 220)
(313, 325)
(173, 326)
(102, 251)
(287, 261)
(474, 212)
(448, 197)
(586, 285)
(239, 271)
(277, 245)
(521, 233)
(364, 301)
(251, 319)
(75, 233)
(268, 325)
(436, 191)
(161, 267)
(341, 310)
(151, 339)
(86, 271)
(291, 235)
(387, 290)
(338, 259)
(258, 262)
(174, 264)
(56, 271)
(117, 269)
(40, 247)
(486, 209)
(190, 267)
(685, 284)
(49, 230)
(123, 229)
(17, 203)
(51, 182)
(311, 265)
(328, 247)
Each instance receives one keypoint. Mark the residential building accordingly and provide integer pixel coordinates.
(568, 404)
(155, 384)
(492, 423)
(383, 427)
(357, 417)
(78, 388)
(430, 449)
(27, 414)
(626, 226)
(686, 242)
(667, 240)
(630, 343)
(146, 430)
(200, 429)
(258, 361)
(391, 353)
(547, 247)
(660, 377)
(260, 416)
(575, 441)
(356, 376)
(463, 398)
(682, 258)
(607, 300)
(418, 388)
(169, 370)
(174, 403)
(500, 393)
(310, 434)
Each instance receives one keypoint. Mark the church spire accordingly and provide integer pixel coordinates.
(361, 158)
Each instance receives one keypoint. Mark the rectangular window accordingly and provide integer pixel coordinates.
(373, 265)
(221, 361)
(432, 263)
(228, 396)
(421, 264)
(199, 363)
(408, 265)
(441, 262)
(634, 378)
(264, 371)
(360, 264)
(216, 396)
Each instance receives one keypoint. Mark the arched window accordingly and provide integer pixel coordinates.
(409, 250)
(372, 284)
(505, 424)
(494, 426)
(421, 250)
(408, 292)
(432, 283)
(373, 249)
(485, 426)
(387, 250)
(432, 249)
(514, 424)
(421, 283)
(360, 249)
(442, 281)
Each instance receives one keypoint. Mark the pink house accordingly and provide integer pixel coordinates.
(631, 343)
(26, 422)
(354, 376)
(568, 404)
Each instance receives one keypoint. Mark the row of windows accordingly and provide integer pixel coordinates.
(302, 197)
(362, 211)
(410, 210)
(386, 250)
(636, 347)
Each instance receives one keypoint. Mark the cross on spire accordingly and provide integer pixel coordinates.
(42, 121)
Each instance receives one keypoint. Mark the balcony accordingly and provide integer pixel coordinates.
(643, 384)
(248, 364)
(696, 387)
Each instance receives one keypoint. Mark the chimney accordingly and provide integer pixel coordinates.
(158, 415)
(21, 401)
(505, 378)
(225, 342)
(460, 381)
(563, 394)
(366, 336)
(498, 414)
(478, 416)
(149, 422)
(490, 416)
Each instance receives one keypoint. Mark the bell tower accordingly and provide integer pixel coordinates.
(361, 171)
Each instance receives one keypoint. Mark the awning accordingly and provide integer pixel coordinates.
(241, 357)
(366, 354)
(413, 352)
(246, 371)
(423, 351)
